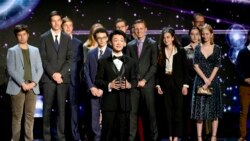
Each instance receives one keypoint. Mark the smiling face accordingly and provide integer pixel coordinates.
(68, 27)
(118, 42)
(140, 30)
(168, 39)
(206, 35)
(56, 22)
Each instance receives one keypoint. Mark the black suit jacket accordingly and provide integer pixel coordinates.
(77, 61)
(147, 63)
(106, 73)
(179, 72)
(53, 60)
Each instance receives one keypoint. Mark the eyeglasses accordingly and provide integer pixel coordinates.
(101, 38)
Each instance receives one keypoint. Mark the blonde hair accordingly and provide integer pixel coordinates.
(210, 29)
(91, 40)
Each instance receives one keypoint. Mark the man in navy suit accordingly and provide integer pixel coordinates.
(75, 69)
(102, 51)
(56, 54)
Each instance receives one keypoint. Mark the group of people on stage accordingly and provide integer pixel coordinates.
(120, 72)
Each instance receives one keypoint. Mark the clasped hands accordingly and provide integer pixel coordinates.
(96, 92)
(28, 86)
(207, 82)
(57, 77)
(120, 84)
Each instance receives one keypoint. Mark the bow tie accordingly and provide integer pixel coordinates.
(117, 57)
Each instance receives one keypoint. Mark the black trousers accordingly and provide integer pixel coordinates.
(173, 101)
(115, 124)
(52, 92)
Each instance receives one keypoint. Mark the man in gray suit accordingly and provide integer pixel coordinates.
(144, 50)
(24, 66)
(56, 54)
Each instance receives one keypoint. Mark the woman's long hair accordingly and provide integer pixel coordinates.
(210, 29)
(162, 56)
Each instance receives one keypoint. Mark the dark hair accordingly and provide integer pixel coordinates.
(197, 14)
(120, 20)
(66, 19)
(176, 43)
(100, 30)
(54, 13)
(20, 27)
(117, 32)
(140, 21)
(192, 28)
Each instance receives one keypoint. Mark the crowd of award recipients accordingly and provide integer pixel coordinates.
(122, 73)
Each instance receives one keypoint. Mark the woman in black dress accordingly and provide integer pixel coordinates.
(207, 60)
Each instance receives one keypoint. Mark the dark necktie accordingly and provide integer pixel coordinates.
(100, 54)
(117, 57)
(56, 43)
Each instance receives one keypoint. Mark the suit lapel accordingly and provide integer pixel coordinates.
(144, 47)
(51, 40)
(96, 54)
(135, 49)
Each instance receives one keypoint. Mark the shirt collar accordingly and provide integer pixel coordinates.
(54, 34)
(117, 54)
(102, 48)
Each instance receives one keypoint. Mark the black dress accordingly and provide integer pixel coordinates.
(207, 107)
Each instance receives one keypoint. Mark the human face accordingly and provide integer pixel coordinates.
(140, 30)
(118, 42)
(199, 21)
(22, 37)
(206, 35)
(121, 26)
(68, 27)
(56, 23)
(195, 36)
(102, 39)
(168, 39)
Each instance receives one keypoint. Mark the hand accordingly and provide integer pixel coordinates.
(59, 81)
(125, 85)
(31, 85)
(25, 87)
(57, 77)
(115, 85)
(247, 80)
(160, 92)
(99, 93)
(141, 83)
(94, 91)
(207, 81)
(184, 90)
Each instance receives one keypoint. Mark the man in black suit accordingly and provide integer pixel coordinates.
(56, 54)
(116, 76)
(75, 69)
(144, 50)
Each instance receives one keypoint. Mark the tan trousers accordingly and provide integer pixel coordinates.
(23, 103)
(244, 102)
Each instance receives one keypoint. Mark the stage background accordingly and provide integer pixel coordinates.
(223, 15)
